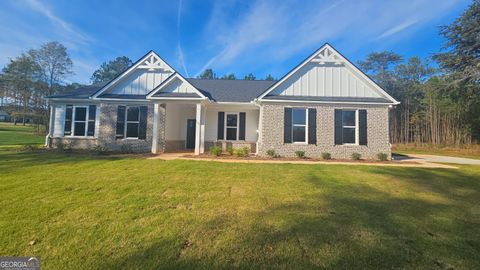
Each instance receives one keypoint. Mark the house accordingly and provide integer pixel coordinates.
(325, 104)
(4, 116)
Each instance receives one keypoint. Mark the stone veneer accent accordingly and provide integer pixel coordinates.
(377, 132)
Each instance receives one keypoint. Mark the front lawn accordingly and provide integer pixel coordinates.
(80, 211)
(466, 151)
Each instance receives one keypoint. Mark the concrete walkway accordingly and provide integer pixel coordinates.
(418, 163)
(443, 159)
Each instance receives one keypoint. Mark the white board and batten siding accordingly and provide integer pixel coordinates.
(142, 79)
(178, 86)
(326, 80)
(140, 82)
(327, 74)
(59, 120)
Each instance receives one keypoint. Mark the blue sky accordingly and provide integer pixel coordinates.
(261, 37)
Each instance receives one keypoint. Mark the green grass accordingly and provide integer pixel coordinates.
(18, 135)
(466, 151)
(125, 212)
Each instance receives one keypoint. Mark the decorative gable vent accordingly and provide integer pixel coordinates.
(154, 63)
(327, 56)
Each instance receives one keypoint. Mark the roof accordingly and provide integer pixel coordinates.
(83, 92)
(4, 113)
(214, 89)
(231, 90)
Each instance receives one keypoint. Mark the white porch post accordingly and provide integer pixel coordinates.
(156, 113)
(200, 129)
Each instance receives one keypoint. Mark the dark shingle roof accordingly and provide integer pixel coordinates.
(231, 90)
(83, 92)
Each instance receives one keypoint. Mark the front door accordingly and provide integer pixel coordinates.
(191, 123)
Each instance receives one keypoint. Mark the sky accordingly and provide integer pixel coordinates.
(229, 36)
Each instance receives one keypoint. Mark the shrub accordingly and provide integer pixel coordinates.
(230, 150)
(326, 156)
(271, 153)
(300, 154)
(242, 152)
(215, 150)
(99, 150)
(382, 156)
(126, 149)
(356, 156)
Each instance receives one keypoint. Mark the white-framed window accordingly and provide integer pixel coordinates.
(80, 120)
(350, 126)
(299, 125)
(231, 126)
(132, 126)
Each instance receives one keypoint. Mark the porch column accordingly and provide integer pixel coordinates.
(200, 130)
(156, 114)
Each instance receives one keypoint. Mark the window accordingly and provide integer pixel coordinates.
(80, 119)
(349, 126)
(133, 122)
(231, 127)
(299, 125)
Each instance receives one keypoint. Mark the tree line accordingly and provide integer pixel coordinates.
(440, 95)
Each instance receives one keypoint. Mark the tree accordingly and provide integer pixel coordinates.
(380, 65)
(111, 69)
(249, 77)
(462, 57)
(19, 79)
(207, 74)
(54, 62)
(230, 76)
(269, 77)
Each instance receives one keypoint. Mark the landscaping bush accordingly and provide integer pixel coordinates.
(300, 154)
(230, 151)
(382, 156)
(326, 156)
(126, 149)
(242, 152)
(99, 150)
(356, 156)
(215, 150)
(271, 153)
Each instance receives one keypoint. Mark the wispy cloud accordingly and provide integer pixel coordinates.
(278, 30)
(398, 28)
(65, 26)
(180, 55)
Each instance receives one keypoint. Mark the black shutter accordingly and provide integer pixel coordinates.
(241, 132)
(221, 121)
(338, 127)
(142, 129)
(287, 125)
(362, 122)
(120, 122)
(92, 111)
(67, 128)
(312, 126)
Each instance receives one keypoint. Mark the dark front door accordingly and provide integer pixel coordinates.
(191, 123)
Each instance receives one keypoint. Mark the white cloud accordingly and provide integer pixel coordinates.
(398, 28)
(279, 29)
(47, 12)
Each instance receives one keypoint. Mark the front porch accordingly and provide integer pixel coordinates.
(193, 126)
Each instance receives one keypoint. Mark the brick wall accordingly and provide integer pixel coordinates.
(377, 132)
